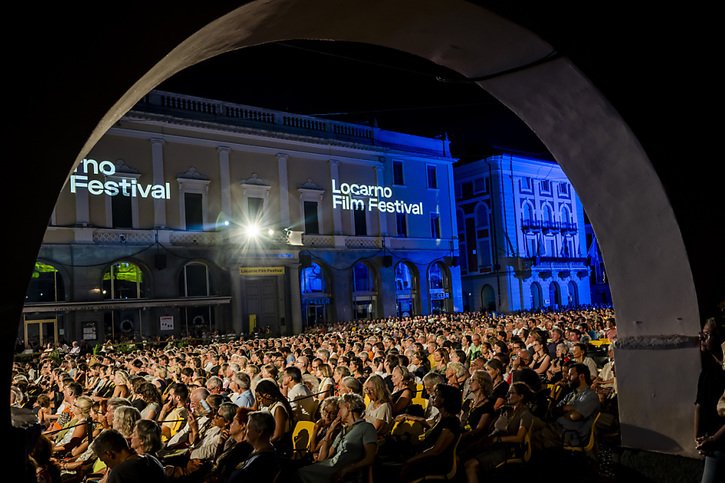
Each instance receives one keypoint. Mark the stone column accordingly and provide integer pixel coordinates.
(283, 184)
(224, 181)
(157, 160)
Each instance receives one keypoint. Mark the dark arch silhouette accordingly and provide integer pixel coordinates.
(592, 100)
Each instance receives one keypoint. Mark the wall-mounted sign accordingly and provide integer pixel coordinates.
(117, 185)
(353, 196)
(249, 271)
(166, 322)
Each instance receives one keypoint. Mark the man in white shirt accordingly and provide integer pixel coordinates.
(304, 404)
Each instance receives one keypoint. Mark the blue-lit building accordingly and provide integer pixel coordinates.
(522, 237)
(193, 215)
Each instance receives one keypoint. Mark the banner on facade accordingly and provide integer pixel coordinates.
(166, 322)
(251, 271)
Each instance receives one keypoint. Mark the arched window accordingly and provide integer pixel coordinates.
(437, 276)
(439, 288)
(312, 280)
(194, 280)
(406, 290)
(46, 284)
(573, 294)
(362, 280)
(488, 298)
(554, 295)
(528, 212)
(565, 214)
(536, 296)
(124, 280)
(403, 277)
(548, 214)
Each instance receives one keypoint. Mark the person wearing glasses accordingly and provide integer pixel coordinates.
(509, 431)
(346, 451)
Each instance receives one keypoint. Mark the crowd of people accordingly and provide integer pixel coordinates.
(390, 399)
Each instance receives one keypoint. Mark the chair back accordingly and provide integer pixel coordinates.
(303, 439)
(591, 442)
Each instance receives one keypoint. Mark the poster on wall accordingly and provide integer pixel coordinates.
(166, 322)
(89, 331)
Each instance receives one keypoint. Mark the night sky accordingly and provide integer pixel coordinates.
(366, 85)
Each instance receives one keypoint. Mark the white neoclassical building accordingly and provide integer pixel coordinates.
(522, 236)
(193, 215)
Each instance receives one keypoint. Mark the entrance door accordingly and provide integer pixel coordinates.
(260, 298)
(40, 332)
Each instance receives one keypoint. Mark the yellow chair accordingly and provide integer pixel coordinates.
(303, 439)
(590, 448)
(418, 399)
(448, 476)
(419, 389)
(413, 428)
(526, 453)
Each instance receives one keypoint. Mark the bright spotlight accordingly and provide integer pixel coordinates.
(270, 232)
(252, 230)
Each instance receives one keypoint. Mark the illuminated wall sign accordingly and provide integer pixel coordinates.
(261, 271)
(371, 198)
(113, 187)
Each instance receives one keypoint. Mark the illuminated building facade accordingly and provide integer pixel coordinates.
(193, 215)
(521, 233)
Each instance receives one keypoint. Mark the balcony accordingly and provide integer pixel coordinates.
(530, 226)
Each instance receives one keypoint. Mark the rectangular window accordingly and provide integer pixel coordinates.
(463, 260)
(121, 213)
(545, 186)
(312, 223)
(550, 247)
(361, 224)
(254, 208)
(480, 185)
(435, 225)
(484, 254)
(401, 224)
(398, 173)
(432, 177)
(526, 185)
(471, 244)
(459, 191)
(563, 190)
(193, 215)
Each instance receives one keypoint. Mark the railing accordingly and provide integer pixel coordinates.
(167, 103)
(535, 225)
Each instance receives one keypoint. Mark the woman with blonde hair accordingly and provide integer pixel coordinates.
(403, 389)
(78, 427)
(379, 411)
(124, 420)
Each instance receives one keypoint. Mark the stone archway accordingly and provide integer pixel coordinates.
(589, 139)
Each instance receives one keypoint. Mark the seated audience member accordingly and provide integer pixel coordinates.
(146, 437)
(124, 464)
(350, 450)
(477, 414)
(235, 450)
(263, 464)
(509, 432)
(349, 384)
(403, 389)
(379, 411)
(434, 453)
(270, 399)
(575, 412)
(327, 424)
